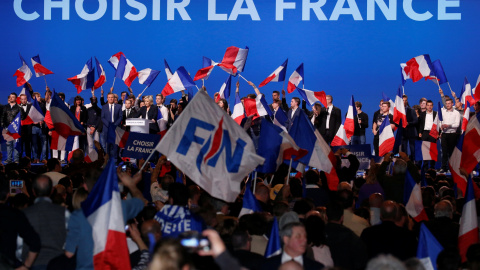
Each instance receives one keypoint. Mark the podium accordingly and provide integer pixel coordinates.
(138, 125)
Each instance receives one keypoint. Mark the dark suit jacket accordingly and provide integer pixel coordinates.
(290, 119)
(107, 117)
(421, 120)
(274, 262)
(412, 120)
(334, 125)
(152, 115)
(83, 114)
(133, 114)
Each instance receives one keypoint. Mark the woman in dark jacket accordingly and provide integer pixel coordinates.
(150, 112)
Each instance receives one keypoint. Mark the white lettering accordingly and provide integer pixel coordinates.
(316, 7)
(142, 11)
(442, 10)
(212, 12)
(408, 8)
(351, 10)
(17, 7)
(280, 6)
(390, 12)
(156, 10)
(63, 4)
(102, 8)
(180, 7)
(249, 10)
(115, 10)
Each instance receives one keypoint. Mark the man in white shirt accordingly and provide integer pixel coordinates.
(449, 126)
(293, 112)
(425, 122)
(160, 99)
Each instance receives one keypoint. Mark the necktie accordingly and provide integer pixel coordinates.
(128, 112)
(111, 110)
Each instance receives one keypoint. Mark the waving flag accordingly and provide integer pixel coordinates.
(126, 71)
(349, 125)
(274, 246)
(386, 138)
(168, 71)
(210, 148)
(147, 76)
(428, 248)
(412, 198)
(101, 75)
(295, 79)
(277, 76)
(86, 78)
(162, 123)
(319, 153)
(385, 98)
(435, 131)
(206, 70)
(280, 119)
(468, 234)
(250, 203)
(234, 60)
(398, 138)
(23, 73)
(466, 94)
(341, 136)
(437, 73)
(65, 123)
(476, 90)
(225, 89)
(454, 165)
(273, 142)
(26, 93)
(103, 210)
(466, 116)
(39, 69)
(35, 114)
(13, 130)
(115, 59)
(399, 109)
(121, 137)
(257, 107)
(238, 110)
(471, 144)
(403, 74)
(425, 151)
(179, 81)
(418, 67)
(72, 144)
(92, 156)
(313, 97)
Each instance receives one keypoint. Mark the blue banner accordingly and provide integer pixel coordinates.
(362, 151)
(140, 145)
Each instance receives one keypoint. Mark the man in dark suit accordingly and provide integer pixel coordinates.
(410, 133)
(331, 119)
(425, 122)
(294, 111)
(26, 129)
(111, 118)
(129, 112)
(294, 238)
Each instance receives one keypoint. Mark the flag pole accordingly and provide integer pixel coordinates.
(283, 87)
(271, 180)
(113, 82)
(203, 82)
(242, 77)
(254, 182)
(451, 91)
(146, 161)
(45, 81)
(289, 169)
(144, 90)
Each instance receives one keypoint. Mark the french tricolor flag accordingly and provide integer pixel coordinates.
(471, 145)
(466, 94)
(437, 73)
(468, 233)
(386, 138)
(168, 71)
(92, 156)
(121, 137)
(250, 204)
(39, 69)
(103, 210)
(295, 79)
(26, 93)
(341, 136)
(23, 73)
(101, 75)
(412, 197)
(234, 60)
(313, 97)
(147, 76)
(225, 89)
(126, 71)
(476, 90)
(454, 165)
(349, 125)
(115, 59)
(65, 123)
(418, 67)
(206, 70)
(426, 151)
(466, 116)
(238, 110)
(257, 107)
(280, 119)
(399, 109)
(385, 98)
(86, 78)
(403, 74)
(277, 76)
(13, 130)
(58, 142)
(435, 131)
(162, 123)
(35, 114)
(72, 144)
(179, 81)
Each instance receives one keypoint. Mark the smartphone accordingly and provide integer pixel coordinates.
(124, 168)
(194, 242)
(16, 186)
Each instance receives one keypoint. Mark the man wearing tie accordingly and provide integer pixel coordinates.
(294, 112)
(111, 118)
(129, 112)
(26, 129)
(331, 119)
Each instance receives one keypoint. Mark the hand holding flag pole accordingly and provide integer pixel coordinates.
(242, 77)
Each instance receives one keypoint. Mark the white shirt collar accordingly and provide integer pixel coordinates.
(286, 258)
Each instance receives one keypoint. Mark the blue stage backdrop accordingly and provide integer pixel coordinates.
(347, 46)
